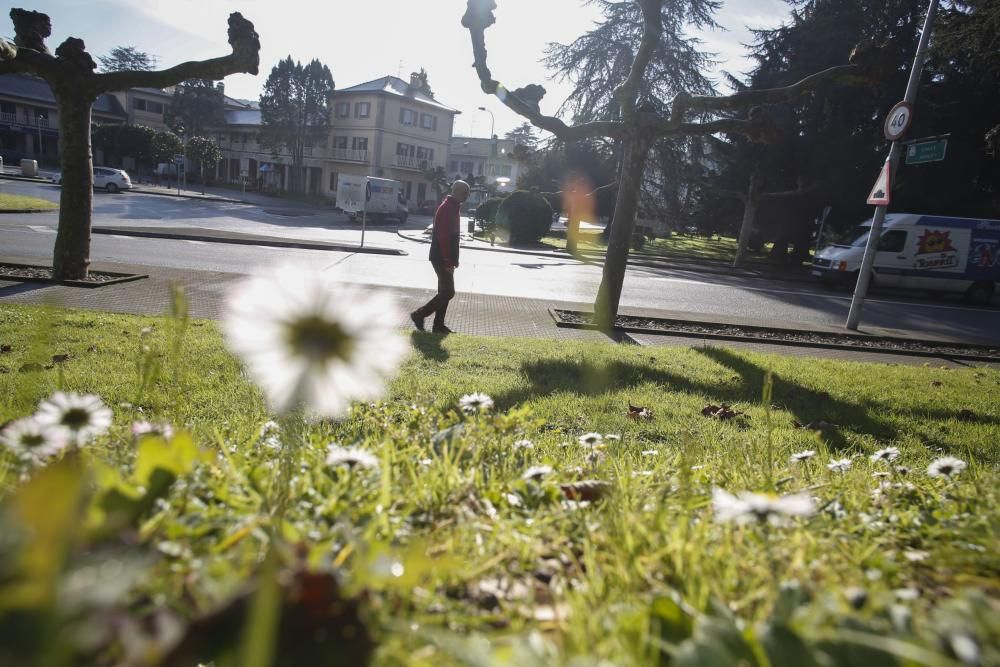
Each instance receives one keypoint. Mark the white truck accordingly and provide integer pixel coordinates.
(930, 252)
(377, 199)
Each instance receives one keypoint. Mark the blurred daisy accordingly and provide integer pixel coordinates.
(839, 465)
(887, 454)
(591, 439)
(351, 457)
(611, 437)
(947, 466)
(802, 456)
(474, 403)
(312, 343)
(146, 428)
(536, 473)
(269, 428)
(750, 507)
(902, 470)
(80, 417)
(28, 437)
(524, 444)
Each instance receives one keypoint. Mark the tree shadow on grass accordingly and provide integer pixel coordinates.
(429, 345)
(806, 405)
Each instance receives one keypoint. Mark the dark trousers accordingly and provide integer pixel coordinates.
(446, 291)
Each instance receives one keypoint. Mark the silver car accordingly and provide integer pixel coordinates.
(105, 178)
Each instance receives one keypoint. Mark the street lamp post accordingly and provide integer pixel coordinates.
(38, 124)
(493, 136)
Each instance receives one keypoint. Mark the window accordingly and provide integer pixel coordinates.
(343, 109)
(892, 241)
(333, 181)
(359, 143)
(406, 150)
(466, 167)
(453, 166)
(340, 142)
(428, 122)
(139, 104)
(362, 109)
(425, 153)
(154, 107)
(407, 117)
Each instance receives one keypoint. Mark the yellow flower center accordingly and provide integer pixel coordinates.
(319, 340)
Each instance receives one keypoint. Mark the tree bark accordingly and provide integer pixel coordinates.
(71, 256)
(572, 234)
(616, 260)
(750, 203)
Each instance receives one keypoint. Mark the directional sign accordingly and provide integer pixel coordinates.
(880, 193)
(898, 121)
(926, 151)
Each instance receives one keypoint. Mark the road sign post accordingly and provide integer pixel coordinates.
(896, 124)
(364, 210)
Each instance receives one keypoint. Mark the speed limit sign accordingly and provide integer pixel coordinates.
(898, 121)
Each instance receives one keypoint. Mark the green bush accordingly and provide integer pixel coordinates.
(487, 211)
(523, 217)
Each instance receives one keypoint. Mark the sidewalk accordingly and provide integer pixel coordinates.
(471, 314)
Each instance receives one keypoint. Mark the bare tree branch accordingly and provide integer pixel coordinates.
(245, 58)
(652, 31)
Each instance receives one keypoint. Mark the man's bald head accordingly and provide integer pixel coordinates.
(460, 190)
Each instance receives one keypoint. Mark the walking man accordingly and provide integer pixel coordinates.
(444, 257)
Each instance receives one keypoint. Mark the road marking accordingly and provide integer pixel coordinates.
(119, 236)
(194, 242)
(773, 290)
(44, 230)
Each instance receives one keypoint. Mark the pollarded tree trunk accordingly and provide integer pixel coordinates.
(572, 233)
(622, 226)
(71, 256)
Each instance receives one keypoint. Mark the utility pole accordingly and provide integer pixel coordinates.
(895, 150)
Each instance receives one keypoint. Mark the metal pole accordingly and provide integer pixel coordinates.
(895, 150)
(364, 219)
(822, 224)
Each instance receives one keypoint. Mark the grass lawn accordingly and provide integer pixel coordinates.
(616, 554)
(679, 246)
(22, 202)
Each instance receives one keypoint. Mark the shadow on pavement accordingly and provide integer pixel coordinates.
(22, 288)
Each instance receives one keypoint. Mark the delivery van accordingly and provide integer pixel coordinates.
(925, 252)
(378, 198)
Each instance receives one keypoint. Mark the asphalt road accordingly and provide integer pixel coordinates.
(495, 273)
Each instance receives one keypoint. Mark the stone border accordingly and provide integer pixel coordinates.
(118, 279)
(268, 241)
(752, 334)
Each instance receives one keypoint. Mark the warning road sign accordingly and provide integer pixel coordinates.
(880, 193)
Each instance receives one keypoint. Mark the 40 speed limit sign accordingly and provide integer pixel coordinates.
(898, 121)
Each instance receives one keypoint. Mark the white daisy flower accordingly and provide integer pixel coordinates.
(804, 455)
(750, 507)
(611, 437)
(146, 428)
(650, 452)
(947, 466)
(887, 454)
(352, 457)
(475, 402)
(30, 438)
(536, 473)
(839, 465)
(591, 439)
(269, 428)
(312, 343)
(81, 417)
(524, 444)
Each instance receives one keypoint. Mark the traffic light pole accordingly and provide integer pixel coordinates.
(895, 150)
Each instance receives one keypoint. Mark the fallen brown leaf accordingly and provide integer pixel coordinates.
(588, 490)
(722, 412)
(638, 412)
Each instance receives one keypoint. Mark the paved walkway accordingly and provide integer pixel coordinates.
(473, 314)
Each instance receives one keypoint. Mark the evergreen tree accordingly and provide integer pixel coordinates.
(295, 109)
(127, 59)
(197, 105)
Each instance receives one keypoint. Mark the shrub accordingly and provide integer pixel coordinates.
(487, 211)
(524, 217)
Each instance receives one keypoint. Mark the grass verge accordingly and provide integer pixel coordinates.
(10, 202)
(615, 553)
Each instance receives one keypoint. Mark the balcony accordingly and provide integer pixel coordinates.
(408, 162)
(12, 119)
(349, 155)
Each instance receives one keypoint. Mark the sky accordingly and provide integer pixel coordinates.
(368, 39)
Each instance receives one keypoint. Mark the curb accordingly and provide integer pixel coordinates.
(117, 280)
(29, 210)
(750, 338)
(270, 242)
(599, 261)
(211, 198)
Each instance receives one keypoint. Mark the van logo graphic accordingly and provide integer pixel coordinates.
(986, 254)
(935, 251)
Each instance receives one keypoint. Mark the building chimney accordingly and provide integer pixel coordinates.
(415, 81)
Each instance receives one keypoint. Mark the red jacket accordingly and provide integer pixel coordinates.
(447, 231)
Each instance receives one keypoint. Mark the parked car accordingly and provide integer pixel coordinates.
(105, 178)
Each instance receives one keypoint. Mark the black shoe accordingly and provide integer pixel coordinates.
(418, 321)
(441, 329)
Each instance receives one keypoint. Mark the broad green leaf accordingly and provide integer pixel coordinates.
(784, 647)
(674, 622)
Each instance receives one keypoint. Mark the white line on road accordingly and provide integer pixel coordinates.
(44, 230)
(194, 242)
(773, 290)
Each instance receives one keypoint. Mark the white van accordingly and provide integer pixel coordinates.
(927, 252)
(377, 198)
